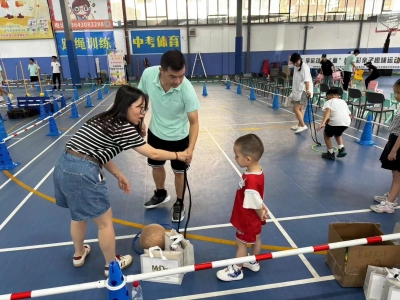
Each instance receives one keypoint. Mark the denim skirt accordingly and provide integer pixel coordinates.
(80, 185)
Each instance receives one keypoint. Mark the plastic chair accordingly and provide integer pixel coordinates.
(377, 98)
(358, 76)
(354, 100)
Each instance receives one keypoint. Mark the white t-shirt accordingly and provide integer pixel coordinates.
(340, 113)
(56, 66)
(299, 79)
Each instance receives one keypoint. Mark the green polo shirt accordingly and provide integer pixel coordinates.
(349, 60)
(169, 120)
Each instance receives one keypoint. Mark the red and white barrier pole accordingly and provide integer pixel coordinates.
(199, 267)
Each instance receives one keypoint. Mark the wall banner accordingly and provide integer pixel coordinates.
(116, 67)
(84, 14)
(379, 60)
(87, 42)
(155, 41)
(24, 20)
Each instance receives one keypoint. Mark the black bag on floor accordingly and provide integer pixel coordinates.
(18, 113)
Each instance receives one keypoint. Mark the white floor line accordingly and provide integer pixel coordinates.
(48, 147)
(249, 124)
(277, 224)
(24, 201)
(254, 288)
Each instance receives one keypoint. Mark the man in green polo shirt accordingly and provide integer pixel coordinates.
(348, 69)
(174, 124)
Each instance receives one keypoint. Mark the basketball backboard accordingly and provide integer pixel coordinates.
(388, 22)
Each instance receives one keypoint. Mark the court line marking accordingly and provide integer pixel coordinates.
(277, 224)
(48, 147)
(256, 288)
(117, 221)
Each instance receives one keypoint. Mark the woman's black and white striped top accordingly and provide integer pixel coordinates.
(92, 141)
(394, 128)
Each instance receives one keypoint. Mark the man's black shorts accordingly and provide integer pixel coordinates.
(334, 130)
(173, 146)
(34, 78)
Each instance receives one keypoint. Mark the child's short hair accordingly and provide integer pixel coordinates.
(32, 59)
(250, 145)
(332, 92)
(54, 57)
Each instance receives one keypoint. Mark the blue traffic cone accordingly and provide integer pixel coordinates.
(76, 94)
(308, 115)
(275, 104)
(53, 127)
(55, 105)
(3, 132)
(43, 113)
(74, 111)
(228, 84)
(62, 100)
(105, 89)
(46, 94)
(6, 162)
(116, 283)
(239, 89)
(99, 95)
(205, 90)
(93, 88)
(9, 106)
(366, 136)
(252, 94)
(89, 101)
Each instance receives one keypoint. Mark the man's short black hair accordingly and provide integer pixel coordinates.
(332, 92)
(174, 60)
(323, 55)
(356, 51)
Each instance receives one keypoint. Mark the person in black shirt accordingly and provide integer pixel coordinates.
(326, 70)
(373, 73)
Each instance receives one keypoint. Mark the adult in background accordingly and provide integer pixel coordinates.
(327, 69)
(174, 124)
(56, 66)
(373, 73)
(348, 69)
(302, 89)
(79, 179)
(33, 72)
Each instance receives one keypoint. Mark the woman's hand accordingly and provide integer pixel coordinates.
(392, 156)
(183, 156)
(123, 183)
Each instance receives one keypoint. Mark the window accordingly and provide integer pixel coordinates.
(202, 12)
(138, 13)
(232, 11)
(116, 10)
(255, 12)
(181, 6)
(192, 11)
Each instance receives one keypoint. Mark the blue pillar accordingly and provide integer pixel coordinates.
(239, 38)
(70, 43)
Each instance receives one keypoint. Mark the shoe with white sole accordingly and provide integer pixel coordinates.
(124, 262)
(300, 129)
(384, 198)
(230, 273)
(294, 127)
(254, 266)
(383, 207)
(79, 261)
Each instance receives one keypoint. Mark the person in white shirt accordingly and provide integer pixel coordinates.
(336, 120)
(302, 89)
(56, 66)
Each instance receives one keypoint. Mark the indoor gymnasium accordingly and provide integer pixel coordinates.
(200, 149)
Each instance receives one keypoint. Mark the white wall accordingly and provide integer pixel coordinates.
(27, 48)
(372, 39)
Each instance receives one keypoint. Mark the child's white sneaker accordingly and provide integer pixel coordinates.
(254, 266)
(294, 127)
(230, 273)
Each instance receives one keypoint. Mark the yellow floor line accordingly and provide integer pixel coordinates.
(141, 226)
